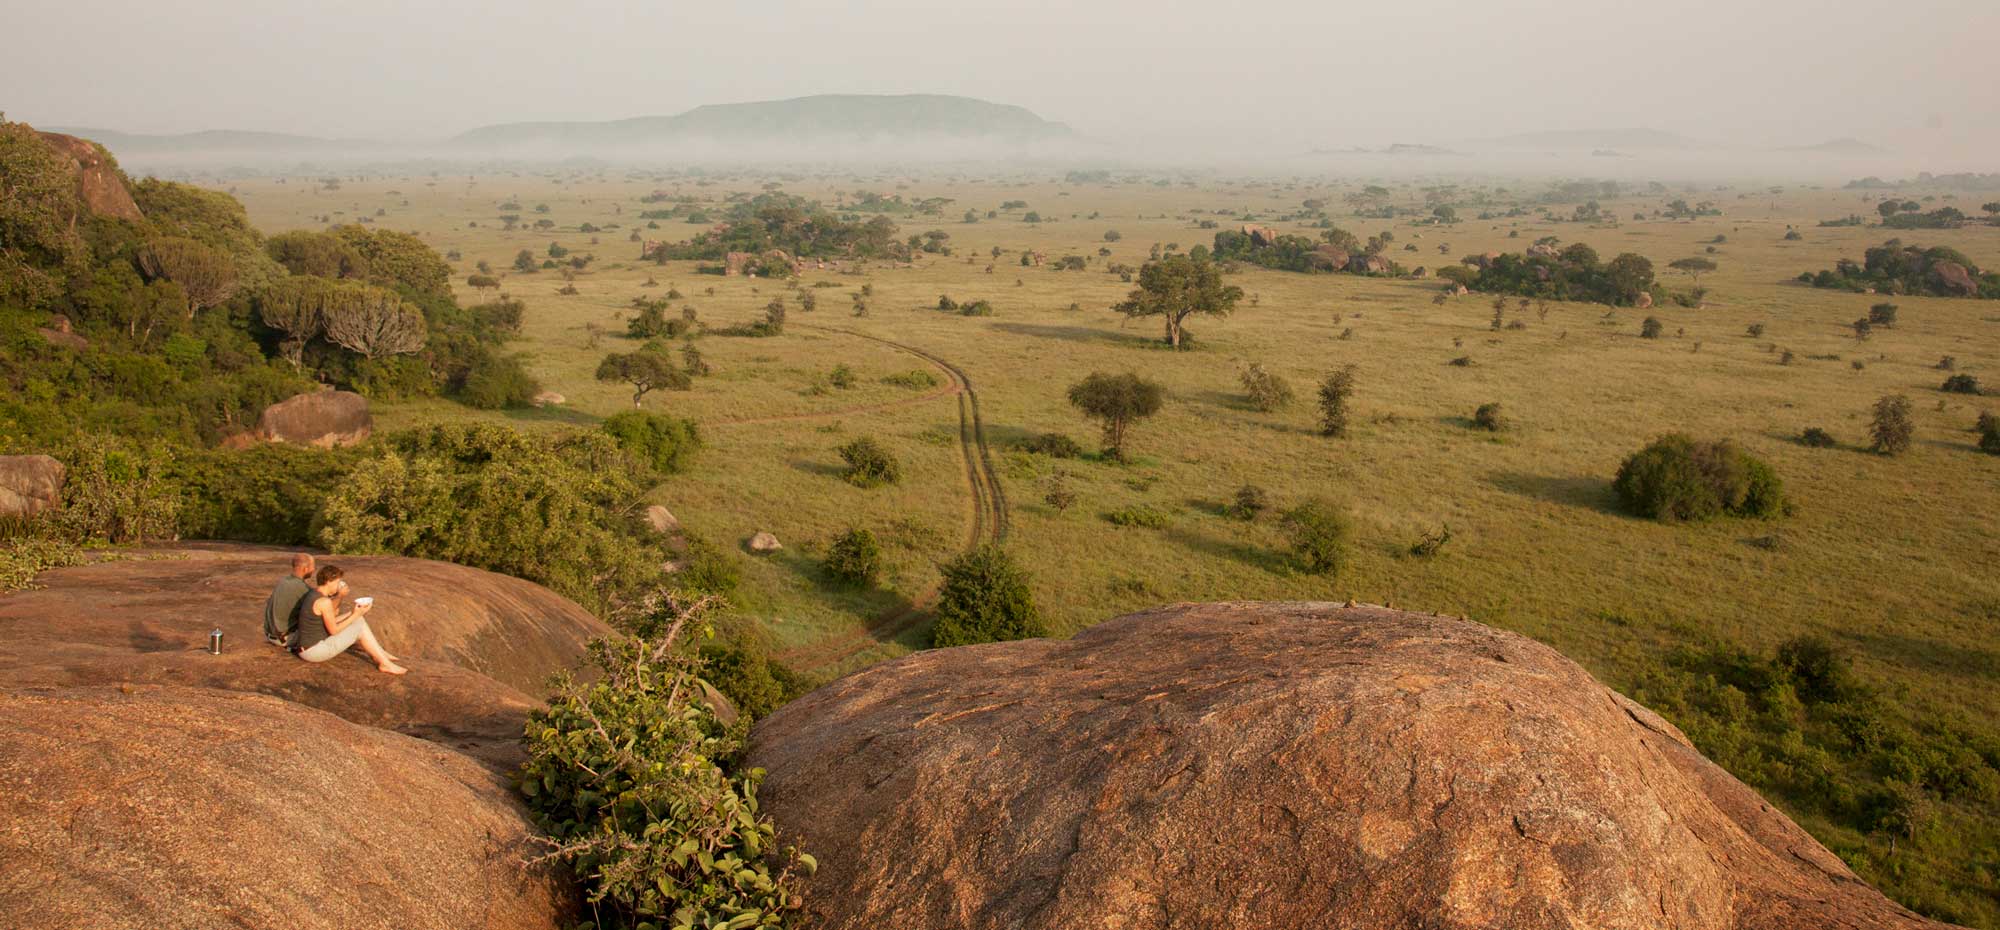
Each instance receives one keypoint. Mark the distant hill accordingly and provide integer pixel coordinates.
(1621, 140)
(1843, 146)
(834, 117)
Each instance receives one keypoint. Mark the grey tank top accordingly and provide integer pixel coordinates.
(312, 630)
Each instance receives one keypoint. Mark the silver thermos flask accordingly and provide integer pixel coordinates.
(215, 642)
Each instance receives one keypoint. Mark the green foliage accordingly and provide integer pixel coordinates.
(1989, 433)
(1815, 438)
(1800, 726)
(639, 787)
(1490, 417)
(544, 508)
(800, 227)
(40, 250)
(738, 663)
(869, 464)
(647, 370)
(1651, 328)
(115, 491)
(984, 599)
(268, 493)
(1249, 502)
(25, 555)
(1053, 445)
(1892, 428)
(666, 444)
(496, 381)
(1430, 544)
(1574, 273)
(1334, 391)
(916, 379)
(1676, 478)
(854, 558)
(1893, 268)
(1117, 401)
(1960, 384)
(1177, 287)
(1321, 532)
(1268, 390)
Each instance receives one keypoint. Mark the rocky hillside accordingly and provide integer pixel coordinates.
(1277, 766)
(145, 782)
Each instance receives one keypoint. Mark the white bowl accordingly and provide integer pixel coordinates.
(363, 601)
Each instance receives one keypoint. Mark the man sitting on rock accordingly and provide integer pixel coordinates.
(281, 609)
(325, 632)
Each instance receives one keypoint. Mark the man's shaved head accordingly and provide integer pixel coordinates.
(302, 564)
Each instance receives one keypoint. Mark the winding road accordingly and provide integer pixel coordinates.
(987, 502)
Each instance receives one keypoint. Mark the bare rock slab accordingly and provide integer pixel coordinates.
(1276, 766)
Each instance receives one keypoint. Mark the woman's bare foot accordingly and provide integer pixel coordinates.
(392, 668)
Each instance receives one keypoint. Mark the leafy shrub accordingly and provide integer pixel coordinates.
(1883, 315)
(1268, 390)
(116, 491)
(984, 599)
(545, 508)
(1651, 328)
(739, 664)
(1144, 515)
(1489, 417)
(1960, 384)
(706, 569)
(24, 557)
(854, 557)
(1677, 478)
(666, 444)
(1053, 445)
(638, 786)
(841, 377)
(916, 379)
(268, 493)
(869, 464)
(1989, 433)
(1250, 501)
(498, 381)
(1892, 427)
(1334, 391)
(1431, 544)
(1320, 532)
(1817, 438)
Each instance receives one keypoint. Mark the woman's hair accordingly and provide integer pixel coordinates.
(326, 574)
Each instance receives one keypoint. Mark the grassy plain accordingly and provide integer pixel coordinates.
(1897, 559)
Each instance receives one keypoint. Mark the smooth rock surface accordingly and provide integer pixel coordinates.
(170, 808)
(1276, 766)
(326, 419)
(29, 484)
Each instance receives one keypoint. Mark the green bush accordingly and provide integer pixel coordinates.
(1250, 501)
(1053, 445)
(1677, 478)
(1490, 417)
(639, 787)
(869, 464)
(1892, 428)
(1651, 328)
(1268, 390)
(24, 557)
(841, 377)
(117, 492)
(1989, 433)
(985, 598)
(268, 493)
(738, 663)
(1320, 531)
(707, 569)
(546, 508)
(1817, 438)
(1960, 384)
(665, 443)
(916, 379)
(495, 381)
(854, 557)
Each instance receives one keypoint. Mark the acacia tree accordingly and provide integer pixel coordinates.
(1692, 267)
(1117, 401)
(1892, 426)
(374, 322)
(646, 371)
(1334, 391)
(1177, 287)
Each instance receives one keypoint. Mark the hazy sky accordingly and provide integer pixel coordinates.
(1918, 75)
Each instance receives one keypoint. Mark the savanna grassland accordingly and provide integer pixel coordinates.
(1893, 559)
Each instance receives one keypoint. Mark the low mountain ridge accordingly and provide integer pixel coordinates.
(840, 116)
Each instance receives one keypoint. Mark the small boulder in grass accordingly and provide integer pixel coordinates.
(764, 544)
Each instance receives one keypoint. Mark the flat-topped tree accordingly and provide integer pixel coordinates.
(646, 371)
(1177, 287)
(1118, 401)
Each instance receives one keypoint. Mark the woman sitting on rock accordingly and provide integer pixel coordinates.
(325, 633)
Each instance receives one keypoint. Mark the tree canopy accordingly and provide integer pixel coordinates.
(1177, 287)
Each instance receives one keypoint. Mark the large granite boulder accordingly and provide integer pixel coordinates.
(326, 419)
(1954, 280)
(29, 484)
(1276, 766)
(147, 806)
(99, 185)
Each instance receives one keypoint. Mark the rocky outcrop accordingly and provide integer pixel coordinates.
(1276, 766)
(149, 806)
(29, 484)
(327, 419)
(1954, 280)
(99, 184)
(162, 603)
(764, 543)
(147, 783)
